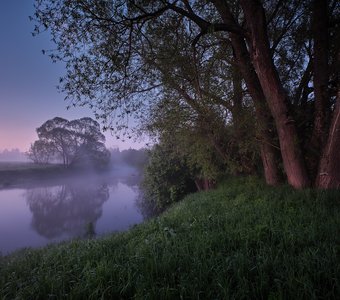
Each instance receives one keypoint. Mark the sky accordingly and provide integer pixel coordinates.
(28, 80)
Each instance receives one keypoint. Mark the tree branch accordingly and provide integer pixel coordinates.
(303, 83)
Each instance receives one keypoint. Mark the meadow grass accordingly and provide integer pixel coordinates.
(243, 240)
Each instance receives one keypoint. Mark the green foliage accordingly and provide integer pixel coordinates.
(167, 177)
(244, 240)
(202, 157)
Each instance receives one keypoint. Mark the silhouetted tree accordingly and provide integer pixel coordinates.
(167, 178)
(77, 142)
(41, 152)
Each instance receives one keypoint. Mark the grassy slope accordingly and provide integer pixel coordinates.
(243, 240)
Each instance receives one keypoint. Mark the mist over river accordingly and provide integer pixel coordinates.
(82, 206)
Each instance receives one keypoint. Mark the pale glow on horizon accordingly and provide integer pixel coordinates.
(18, 135)
(23, 140)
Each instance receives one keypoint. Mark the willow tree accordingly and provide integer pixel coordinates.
(76, 142)
(101, 43)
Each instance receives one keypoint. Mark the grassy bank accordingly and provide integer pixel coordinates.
(243, 240)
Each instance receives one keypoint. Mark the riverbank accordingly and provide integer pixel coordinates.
(13, 174)
(243, 240)
(25, 174)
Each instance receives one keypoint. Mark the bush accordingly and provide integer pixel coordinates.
(167, 178)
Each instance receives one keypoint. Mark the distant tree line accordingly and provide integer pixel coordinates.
(12, 155)
(131, 157)
(75, 143)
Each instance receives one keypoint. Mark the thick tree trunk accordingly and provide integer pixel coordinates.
(269, 154)
(275, 95)
(329, 168)
(204, 184)
(320, 80)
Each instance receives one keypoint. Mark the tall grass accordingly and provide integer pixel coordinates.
(241, 241)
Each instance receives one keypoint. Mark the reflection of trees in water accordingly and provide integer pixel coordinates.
(145, 207)
(132, 181)
(68, 208)
(128, 176)
(148, 209)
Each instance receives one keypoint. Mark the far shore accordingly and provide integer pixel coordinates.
(27, 174)
(17, 174)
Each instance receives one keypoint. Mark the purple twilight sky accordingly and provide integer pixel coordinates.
(28, 79)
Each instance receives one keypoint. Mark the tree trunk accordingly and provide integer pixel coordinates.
(320, 81)
(269, 155)
(204, 184)
(275, 95)
(329, 168)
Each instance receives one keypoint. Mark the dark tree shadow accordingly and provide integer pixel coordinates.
(69, 209)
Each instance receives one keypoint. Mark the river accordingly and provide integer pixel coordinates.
(80, 207)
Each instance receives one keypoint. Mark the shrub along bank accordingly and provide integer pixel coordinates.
(243, 240)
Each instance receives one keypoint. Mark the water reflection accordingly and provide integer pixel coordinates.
(66, 209)
(40, 212)
(148, 209)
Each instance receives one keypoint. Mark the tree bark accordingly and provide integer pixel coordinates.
(204, 184)
(275, 95)
(269, 155)
(320, 80)
(329, 168)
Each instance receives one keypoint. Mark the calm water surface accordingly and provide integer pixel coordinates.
(64, 209)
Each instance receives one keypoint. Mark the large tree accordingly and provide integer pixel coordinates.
(77, 142)
(105, 43)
